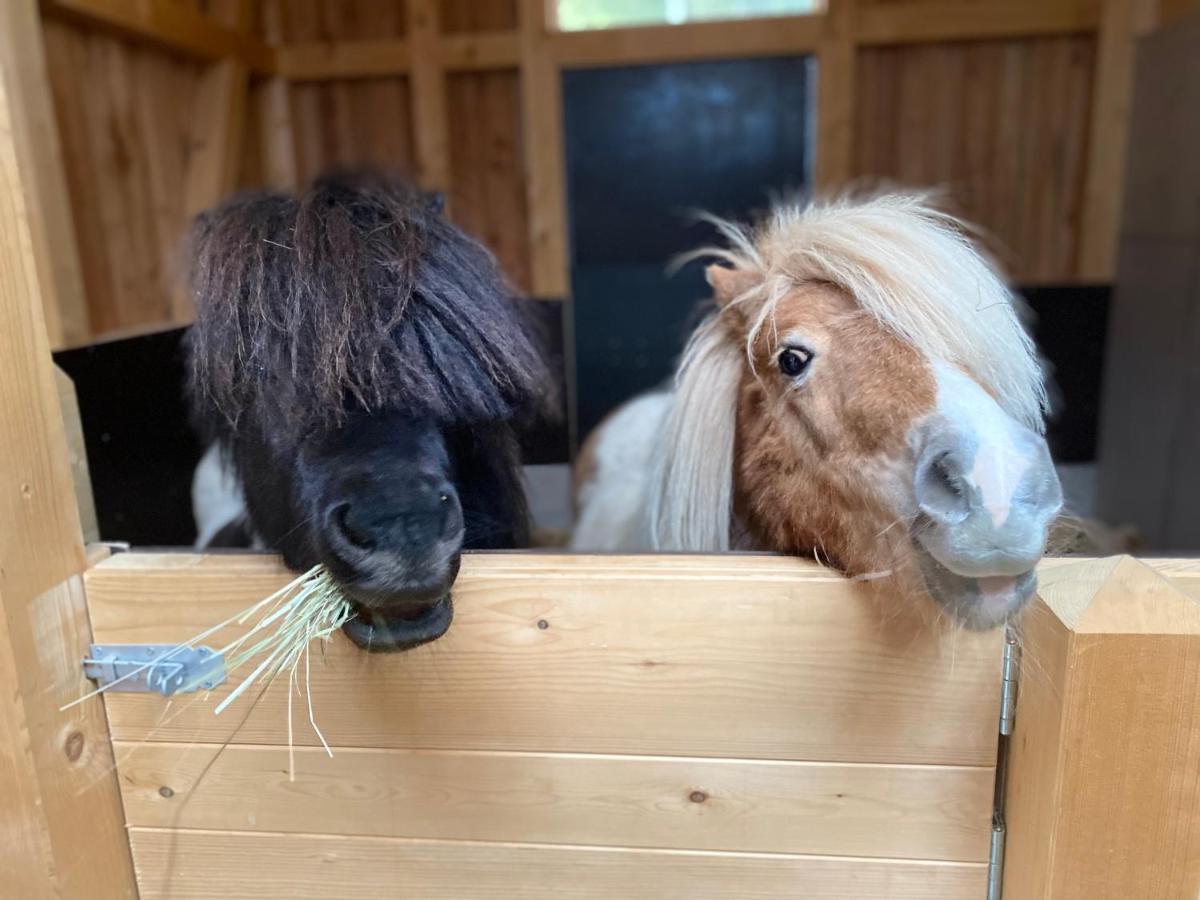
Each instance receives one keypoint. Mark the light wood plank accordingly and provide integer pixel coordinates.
(1104, 768)
(545, 163)
(925, 21)
(751, 657)
(837, 70)
(60, 832)
(480, 51)
(170, 24)
(276, 135)
(785, 36)
(427, 82)
(910, 812)
(73, 428)
(325, 60)
(1111, 97)
(203, 865)
(52, 227)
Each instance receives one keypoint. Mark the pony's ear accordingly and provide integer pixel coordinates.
(729, 284)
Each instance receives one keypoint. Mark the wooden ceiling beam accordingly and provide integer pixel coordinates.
(167, 24)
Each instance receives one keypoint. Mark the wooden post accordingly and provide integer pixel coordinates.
(52, 227)
(836, 85)
(62, 829)
(431, 130)
(215, 149)
(1103, 783)
(273, 99)
(1111, 94)
(545, 167)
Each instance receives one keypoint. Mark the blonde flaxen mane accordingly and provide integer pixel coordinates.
(911, 266)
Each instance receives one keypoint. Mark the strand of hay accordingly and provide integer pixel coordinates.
(311, 607)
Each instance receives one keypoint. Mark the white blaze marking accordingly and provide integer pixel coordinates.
(1002, 454)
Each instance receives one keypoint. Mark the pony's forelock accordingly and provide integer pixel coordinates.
(911, 266)
(355, 294)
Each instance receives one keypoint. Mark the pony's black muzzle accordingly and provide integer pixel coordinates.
(394, 543)
(392, 631)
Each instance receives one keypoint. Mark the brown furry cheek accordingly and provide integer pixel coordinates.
(799, 494)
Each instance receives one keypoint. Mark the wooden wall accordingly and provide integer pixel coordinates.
(1016, 108)
(1000, 125)
(124, 114)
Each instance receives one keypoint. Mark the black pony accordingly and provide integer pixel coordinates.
(362, 367)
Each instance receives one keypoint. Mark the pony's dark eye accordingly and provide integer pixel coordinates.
(794, 361)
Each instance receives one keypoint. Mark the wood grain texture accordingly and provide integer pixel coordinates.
(1000, 126)
(125, 116)
(60, 831)
(921, 21)
(837, 69)
(431, 136)
(1104, 771)
(168, 24)
(545, 152)
(1106, 149)
(487, 167)
(22, 53)
(77, 453)
(910, 812)
(357, 123)
(757, 657)
(182, 866)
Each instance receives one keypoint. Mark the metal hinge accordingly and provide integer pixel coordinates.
(144, 668)
(996, 857)
(1008, 688)
(1010, 674)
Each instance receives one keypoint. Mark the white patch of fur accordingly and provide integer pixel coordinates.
(1003, 451)
(612, 503)
(216, 496)
(690, 504)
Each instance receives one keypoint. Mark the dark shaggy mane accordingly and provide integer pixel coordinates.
(354, 295)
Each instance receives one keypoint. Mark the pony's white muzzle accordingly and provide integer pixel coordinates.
(984, 485)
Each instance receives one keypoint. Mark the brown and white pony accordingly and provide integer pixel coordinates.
(865, 394)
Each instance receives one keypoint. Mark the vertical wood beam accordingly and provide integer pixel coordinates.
(81, 476)
(214, 148)
(1112, 93)
(837, 64)
(427, 77)
(52, 226)
(61, 822)
(1103, 782)
(273, 100)
(545, 166)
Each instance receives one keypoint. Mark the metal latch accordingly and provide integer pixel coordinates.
(143, 668)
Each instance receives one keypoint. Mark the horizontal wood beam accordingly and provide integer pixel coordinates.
(329, 60)
(920, 21)
(951, 20)
(482, 51)
(694, 41)
(167, 24)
